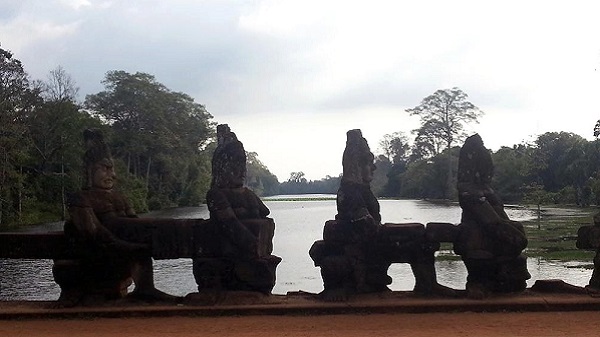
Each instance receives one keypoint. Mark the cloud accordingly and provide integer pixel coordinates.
(283, 65)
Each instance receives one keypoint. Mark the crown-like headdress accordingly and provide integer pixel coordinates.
(356, 155)
(475, 161)
(229, 157)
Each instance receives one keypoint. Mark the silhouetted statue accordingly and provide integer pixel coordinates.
(237, 255)
(357, 250)
(489, 243)
(116, 246)
(588, 237)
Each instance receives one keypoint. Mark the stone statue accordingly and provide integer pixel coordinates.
(238, 255)
(115, 244)
(489, 243)
(588, 238)
(357, 250)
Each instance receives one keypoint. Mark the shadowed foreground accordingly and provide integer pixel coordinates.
(435, 324)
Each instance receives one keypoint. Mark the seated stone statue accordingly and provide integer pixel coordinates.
(489, 243)
(115, 245)
(357, 250)
(238, 254)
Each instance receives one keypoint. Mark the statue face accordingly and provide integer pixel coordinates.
(103, 174)
(238, 175)
(366, 172)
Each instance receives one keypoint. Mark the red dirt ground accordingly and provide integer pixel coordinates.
(528, 324)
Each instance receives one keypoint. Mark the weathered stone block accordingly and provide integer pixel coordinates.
(321, 249)
(209, 240)
(173, 239)
(264, 230)
(401, 232)
(333, 231)
(227, 274)
(441, 232)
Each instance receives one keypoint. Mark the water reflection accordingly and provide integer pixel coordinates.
(298, 225)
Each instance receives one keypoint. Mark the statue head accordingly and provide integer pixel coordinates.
(99, 166)
(229, 160)
(357, 161)
(475, 162)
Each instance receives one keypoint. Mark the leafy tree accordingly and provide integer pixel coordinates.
(428, 140)
(18, 99)
(560, 159)
(395, 147)
(159, 134)
(431, 179)
(443, 115)
(380, 182)
(259, 178)
(417, 180)
(297, 177)
(391, 164)
(512, 171)
(56, 145)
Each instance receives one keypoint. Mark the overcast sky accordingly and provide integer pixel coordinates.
(291, 77)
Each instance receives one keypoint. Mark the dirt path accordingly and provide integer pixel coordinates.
(436, 324)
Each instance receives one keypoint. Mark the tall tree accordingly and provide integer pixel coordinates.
(156, 132)
(395, 150)
(395, 147)
(297, 177)
(443, 115)
(445, 112)
(18, 99)
(55, 132)
(561, 161)
(428, 140)
(512, 171)
(258, 176)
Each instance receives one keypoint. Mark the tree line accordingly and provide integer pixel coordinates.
(162, 142)
(558, 167)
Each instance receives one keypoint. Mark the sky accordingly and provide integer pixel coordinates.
(291, 77)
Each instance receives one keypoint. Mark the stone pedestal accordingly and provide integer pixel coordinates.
(362, 267)
(219, 265)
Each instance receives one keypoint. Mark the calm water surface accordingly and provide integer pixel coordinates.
(298, 225)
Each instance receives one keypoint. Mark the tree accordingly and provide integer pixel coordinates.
(380, 182)
(395, 150)
(443, 115)
(18, 99)
(159, 134)
(560, 160)
(297, 177)
(395, 147)
(56, 147)
(59, 86)
(431, 178)
(428, 141)
(258, 176)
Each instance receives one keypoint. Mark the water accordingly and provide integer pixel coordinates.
(298, 225)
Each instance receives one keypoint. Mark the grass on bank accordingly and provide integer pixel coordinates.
(552, 237)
